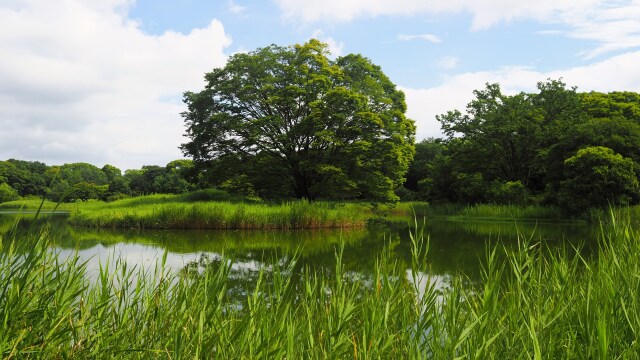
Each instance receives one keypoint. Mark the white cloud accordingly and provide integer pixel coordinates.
(485, 12)
(613, 24)
(426, 37)
(448, 62)
(82, 82)
(613, 27)
(235, 8)
(456, 91)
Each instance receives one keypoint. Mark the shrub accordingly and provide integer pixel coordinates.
(7, 193)
(597, 177)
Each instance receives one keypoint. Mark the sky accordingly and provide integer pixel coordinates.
(101, 81)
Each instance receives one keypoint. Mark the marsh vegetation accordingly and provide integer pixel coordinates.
(531, 299)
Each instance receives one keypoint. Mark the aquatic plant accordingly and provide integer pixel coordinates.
(536, 302)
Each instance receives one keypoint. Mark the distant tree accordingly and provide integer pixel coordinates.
(239, 185)
(85, 191)
(171, 183)
(136, 181)
(618, 133)
(562, 111)
(26, 177)
(321, 126)
(60, 191)
(598, 177)
(422, 165)
(499, 135)
(510, 192)
(117, 188)
(75, 173)
(185, 168)
(7, 193)
(150, 173)
(422, 172)
(179, 176)
(111, 172)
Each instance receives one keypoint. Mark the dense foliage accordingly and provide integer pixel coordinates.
(82, 181)
(554, 147)
(347, 138)
(291, 122)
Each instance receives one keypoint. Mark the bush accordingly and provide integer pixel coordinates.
(509, 193)
(239, 185)
(596, 177)
(7, 193)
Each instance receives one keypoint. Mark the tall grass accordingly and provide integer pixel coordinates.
(533, 303)
(493, 212)
(222, 215)
(205, 209)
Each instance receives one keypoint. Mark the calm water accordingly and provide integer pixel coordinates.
(455, 247)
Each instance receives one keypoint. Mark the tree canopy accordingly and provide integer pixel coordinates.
(554, 146)
(598, 177)
(294, 118)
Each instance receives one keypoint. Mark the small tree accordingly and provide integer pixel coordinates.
(510, 192)
(596, 177)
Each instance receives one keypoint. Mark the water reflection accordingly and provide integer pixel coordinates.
(455, 247)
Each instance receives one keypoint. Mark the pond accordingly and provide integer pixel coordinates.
(455, 247)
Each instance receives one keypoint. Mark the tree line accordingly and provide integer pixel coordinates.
(293, 122)
(83, 181)
(555, 146)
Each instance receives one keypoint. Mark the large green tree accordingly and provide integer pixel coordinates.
(325, 128)
(498, 136)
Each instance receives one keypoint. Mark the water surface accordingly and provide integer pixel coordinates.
(454, 247)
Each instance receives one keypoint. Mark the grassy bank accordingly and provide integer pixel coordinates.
(221, 215)
(492, 212)
(208, 209)
(214, 209)
(536, 303)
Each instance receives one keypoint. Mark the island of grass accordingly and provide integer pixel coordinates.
(204, 209)
(216, 209)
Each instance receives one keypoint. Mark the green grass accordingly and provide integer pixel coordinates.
(493, 212)
(533, 303)
(33, 204)
(206, 209)
(219, 215)
(215, 209)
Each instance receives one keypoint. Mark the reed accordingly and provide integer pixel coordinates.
(535, 302)
(222, 215)
(493, 212)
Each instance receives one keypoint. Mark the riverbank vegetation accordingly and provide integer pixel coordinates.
(206, 210)
(221, 215)
(535, 301)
